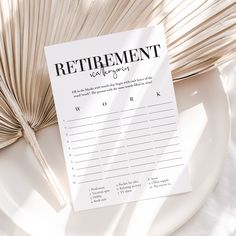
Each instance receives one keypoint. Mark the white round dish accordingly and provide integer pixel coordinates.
(28, 201)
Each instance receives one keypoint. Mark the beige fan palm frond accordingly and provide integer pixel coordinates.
(199, 35)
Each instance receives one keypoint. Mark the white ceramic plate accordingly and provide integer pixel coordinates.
(27, 200)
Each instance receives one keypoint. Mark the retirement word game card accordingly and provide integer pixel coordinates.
(117, 116)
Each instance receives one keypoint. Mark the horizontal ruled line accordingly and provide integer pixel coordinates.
(167, 131)
(94, 173)
(143, 164)
(135, 158)
(115, 162)
(155, 126)
(132, 109)
(112, 127)
(104, 114)
(164, 153)
(160, 118)
(169, 145)
(85, 153)
(172, 159)
(163, 139)
(134, 123)
(88, 181)
(158, 104)
(83, 139)
(137, 172)
(134, 116)
(91, 159)
(99, 122)
(116, 126)
(91, 145)
(107, 135)
(131, 145)
(141, 150)
(88, 117)
(78, 126)
(107, 149)
(153, 155)
(110, 177)
(112, 141)
(86, 167)
(135, 130)
(88, 131)
(171, 166)
(153, 112)
(140, 136)
(120, 154)
(121, 168)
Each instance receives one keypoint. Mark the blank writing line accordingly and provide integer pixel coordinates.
(163, 125)
(104, 114)
(164, 139)
(73, 141)
(91, 159)
(85, 153)
(135, 158)
(133, 116)
(121, 168)
(80, 118)
(106, 135)
(134, 123)
(160, 118)
(142, 150)
(169, 145)
(116, 176)
(159, 104)
(112, 141)
(159, 154)
(135, 130)
(73, 127)
(107, 149)
(171, 166)
(114, 162)
(137, 172)
(120, 154)
(168, 131)
(87, 181)
(140, 136)
(108, 127)
(139, 143)
(89, 174)
(91, 145)
(143, 164)
(132, 109)
(89, 131)
(170, 159)
(106, 121)
(86, 167)
(161, 111)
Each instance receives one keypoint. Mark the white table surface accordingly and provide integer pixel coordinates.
(218, 215)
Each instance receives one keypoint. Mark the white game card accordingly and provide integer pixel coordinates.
(118, 118)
